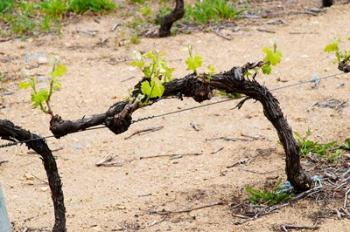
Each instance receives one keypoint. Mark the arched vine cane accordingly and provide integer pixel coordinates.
(118, 117)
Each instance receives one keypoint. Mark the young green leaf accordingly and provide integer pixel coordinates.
(138, 64)
(332, 47)
(272, 56)
(152, 89)
(40, 97)
(193, 63)
(266, 69)
(58, 70)
(211, 69)
(24, 85)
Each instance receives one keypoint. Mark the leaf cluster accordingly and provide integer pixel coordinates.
(156, 72)
(272, 58)
(194, 62)
(41, 97)
(340, 54)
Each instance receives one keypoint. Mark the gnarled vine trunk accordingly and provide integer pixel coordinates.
(168, 20)
(200, 88)
(9, 131)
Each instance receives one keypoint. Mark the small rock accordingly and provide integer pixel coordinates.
(44, 189)
(77, 146)
(43, 60)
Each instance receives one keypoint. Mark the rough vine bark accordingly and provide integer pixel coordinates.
(327, 3)
(9, 131)
(200, 88)
(168, 20)
(344, 66)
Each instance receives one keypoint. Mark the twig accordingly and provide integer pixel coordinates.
(285, 227)
(218, 33)
(240, 216)
(195, 127)
(256, 172)
(266, 30)
(346, 212)
(240, 104)
(158, 222)
(346, 198)
(128, 79)
(171, 156)
(148, 130)
(253, 137)
(165, 212)
(53, 150)
(228, 139)
(243, 161)
(3, 161)
(217, 151)
(307, 193)
(108, 162)
(303, 33)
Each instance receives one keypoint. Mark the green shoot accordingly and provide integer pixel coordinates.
(267, 197)
(82, 6)
(193, 62)
(334, 47)
(272, 58)
(41, 97)
(156, 72)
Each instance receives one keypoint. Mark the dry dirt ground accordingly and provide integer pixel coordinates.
(121, 198)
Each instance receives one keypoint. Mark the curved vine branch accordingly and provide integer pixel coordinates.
(168, 20)
(200, 88)
(9, 131)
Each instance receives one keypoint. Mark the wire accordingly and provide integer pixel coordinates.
(182, 110)
(306, 82)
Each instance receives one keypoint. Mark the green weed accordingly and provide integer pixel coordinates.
(267, 197)
(205, 11)
(81, 6)
(329, 151)
(137, 1)
(6, 5)
(28, 17)
(135, 38)
(54, 8)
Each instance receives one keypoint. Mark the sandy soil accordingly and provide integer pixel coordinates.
(121, 198)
